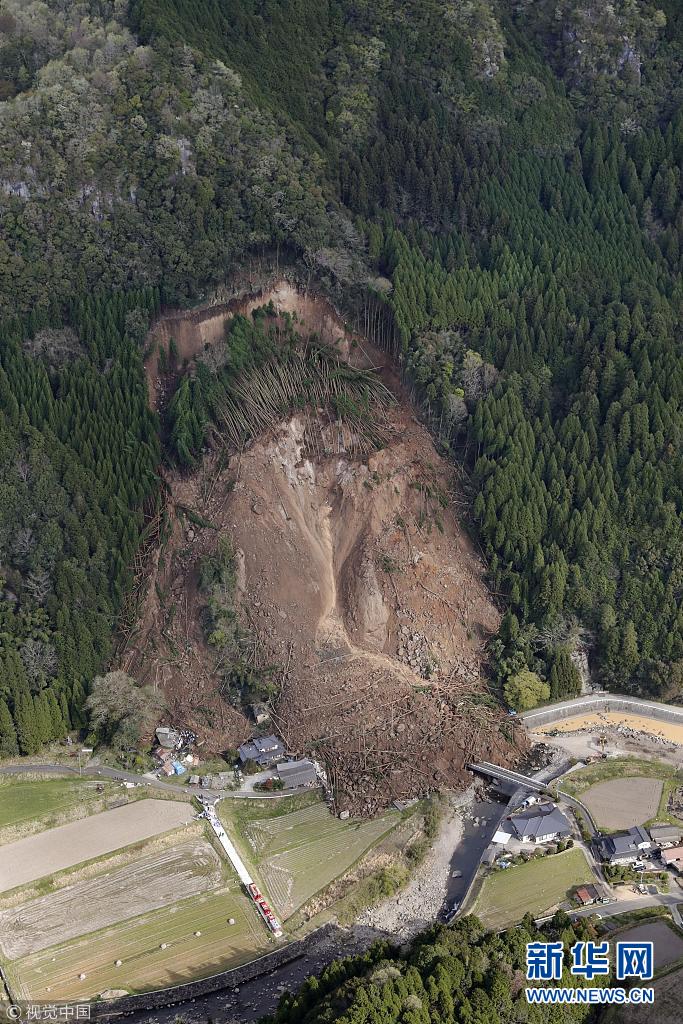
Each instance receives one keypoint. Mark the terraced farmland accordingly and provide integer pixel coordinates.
(55, 973)
(155, 880)
(298, 854)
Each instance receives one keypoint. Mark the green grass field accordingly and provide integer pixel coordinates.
(298, 852)
(53, 973)
(535, 887)
(23, 801)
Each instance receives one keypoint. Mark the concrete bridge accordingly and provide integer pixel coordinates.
(494, 771)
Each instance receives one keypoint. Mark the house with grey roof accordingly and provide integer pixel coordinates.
(623, 847)
(296, 774)
(540, 823)
(264, 750)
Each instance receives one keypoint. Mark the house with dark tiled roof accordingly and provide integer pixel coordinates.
(623, 847)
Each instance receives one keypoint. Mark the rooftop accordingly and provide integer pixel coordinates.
(297, 773)
(623, 844)
(262, 749)
(540, 820)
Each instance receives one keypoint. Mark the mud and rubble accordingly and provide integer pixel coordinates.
(360, 588)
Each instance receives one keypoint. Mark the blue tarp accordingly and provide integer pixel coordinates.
(179, 768)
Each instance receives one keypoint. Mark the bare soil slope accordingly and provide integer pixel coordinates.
(359, 585)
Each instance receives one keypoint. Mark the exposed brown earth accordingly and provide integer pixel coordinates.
(358, 583)
(62, 847)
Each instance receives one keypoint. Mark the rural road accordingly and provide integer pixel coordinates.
(119, 774)
(662, 899)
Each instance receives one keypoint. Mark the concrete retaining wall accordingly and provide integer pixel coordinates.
(602, 702)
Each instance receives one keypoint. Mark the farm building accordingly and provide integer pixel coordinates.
(673, 858)
(666, 834)
(295, 774)
(264, 750)
(623, 847)
(541, 823)
(586, 895)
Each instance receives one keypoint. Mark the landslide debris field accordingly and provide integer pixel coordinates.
(355, 581)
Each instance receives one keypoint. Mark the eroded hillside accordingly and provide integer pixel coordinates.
(355, 584)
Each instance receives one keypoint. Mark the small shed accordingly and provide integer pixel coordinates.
(194, 780)
(167, 737)
(666, 834)
(588, 894)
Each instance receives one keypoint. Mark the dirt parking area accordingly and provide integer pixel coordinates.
(605, 719)
(154, 881)
(63, 847)
(621, 803)
(668, 946)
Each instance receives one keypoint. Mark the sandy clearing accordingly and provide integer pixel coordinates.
(154, 881)
(667, 730)
(621, 803)
(63, 847)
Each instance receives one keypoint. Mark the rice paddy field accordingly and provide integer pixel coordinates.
(63, 847)
(622, 792)
(298, 853)
(156, 950)
(126, 900)
(150, 881)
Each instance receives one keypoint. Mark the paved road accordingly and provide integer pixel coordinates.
(495, 771)
(598, 700)
(662, 899)
(94, 770)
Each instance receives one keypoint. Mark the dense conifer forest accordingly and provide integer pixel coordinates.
(502, 181)
(456, 975)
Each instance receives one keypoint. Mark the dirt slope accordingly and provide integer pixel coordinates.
(359, 585)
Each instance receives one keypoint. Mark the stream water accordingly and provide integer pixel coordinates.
(479, 827)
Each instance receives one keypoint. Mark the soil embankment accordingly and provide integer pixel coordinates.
(356, 580)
